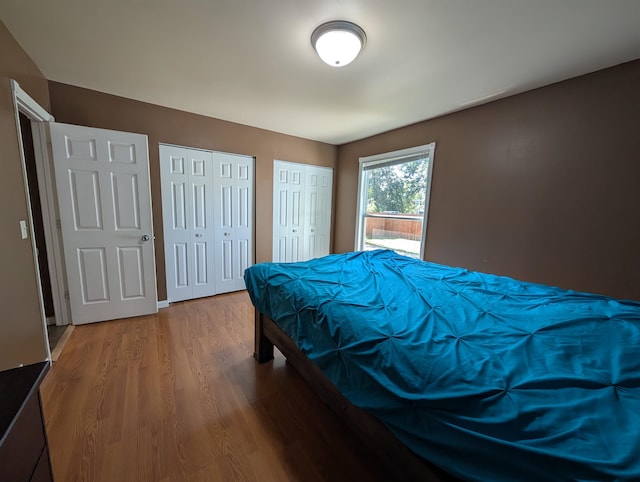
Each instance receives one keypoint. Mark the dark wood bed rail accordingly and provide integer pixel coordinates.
(400, 460)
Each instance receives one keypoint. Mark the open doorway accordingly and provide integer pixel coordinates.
(36, 212)
(55, 332)
(114, 276)
(45, 242)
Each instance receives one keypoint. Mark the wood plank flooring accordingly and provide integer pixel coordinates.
(177, 396)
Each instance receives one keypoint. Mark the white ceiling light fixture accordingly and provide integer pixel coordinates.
(338, 42)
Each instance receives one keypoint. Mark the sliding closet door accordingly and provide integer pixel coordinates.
(187, 213)
(233, 219)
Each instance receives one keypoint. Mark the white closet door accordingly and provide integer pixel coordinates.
(233, 219)
(187, 213)
(317, 211)
(288, 211)
(301, 211)
(104, 198)
(202, 234)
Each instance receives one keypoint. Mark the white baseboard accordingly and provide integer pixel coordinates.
(61, 343)
(163, 304)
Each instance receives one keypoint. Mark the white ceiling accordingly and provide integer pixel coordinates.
(251, 61)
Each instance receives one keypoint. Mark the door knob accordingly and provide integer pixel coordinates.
(145, 237)
(198, 235)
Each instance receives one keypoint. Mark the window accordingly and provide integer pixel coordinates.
(393, 200)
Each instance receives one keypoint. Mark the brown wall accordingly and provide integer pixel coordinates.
(543, 186)
(74, 105)
(21, 329)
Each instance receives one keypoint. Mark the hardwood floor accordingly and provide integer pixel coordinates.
(177, 396)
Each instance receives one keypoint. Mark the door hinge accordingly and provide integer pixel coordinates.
(58, 224)
(66, 294)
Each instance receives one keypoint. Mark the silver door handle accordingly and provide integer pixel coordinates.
(198, 235)
(227, 234)
(294, 230)
(145, 237)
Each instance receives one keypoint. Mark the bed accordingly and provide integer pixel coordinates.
(477, 376)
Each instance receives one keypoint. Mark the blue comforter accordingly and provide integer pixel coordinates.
(487, 377)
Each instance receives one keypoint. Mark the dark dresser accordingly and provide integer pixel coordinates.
(24, 454)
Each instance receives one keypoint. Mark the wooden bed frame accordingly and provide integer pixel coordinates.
(400, 460)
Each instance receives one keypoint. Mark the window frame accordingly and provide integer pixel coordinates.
(369, 162)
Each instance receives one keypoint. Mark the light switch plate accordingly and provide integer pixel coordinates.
(23, 229)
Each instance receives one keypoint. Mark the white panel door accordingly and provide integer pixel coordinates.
(233, 219)
(317, 211)
(187, 207)
(104, 199)
(288, 211)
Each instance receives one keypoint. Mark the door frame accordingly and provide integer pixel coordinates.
(26, 105)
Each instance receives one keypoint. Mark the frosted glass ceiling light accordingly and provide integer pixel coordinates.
(339, 42)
